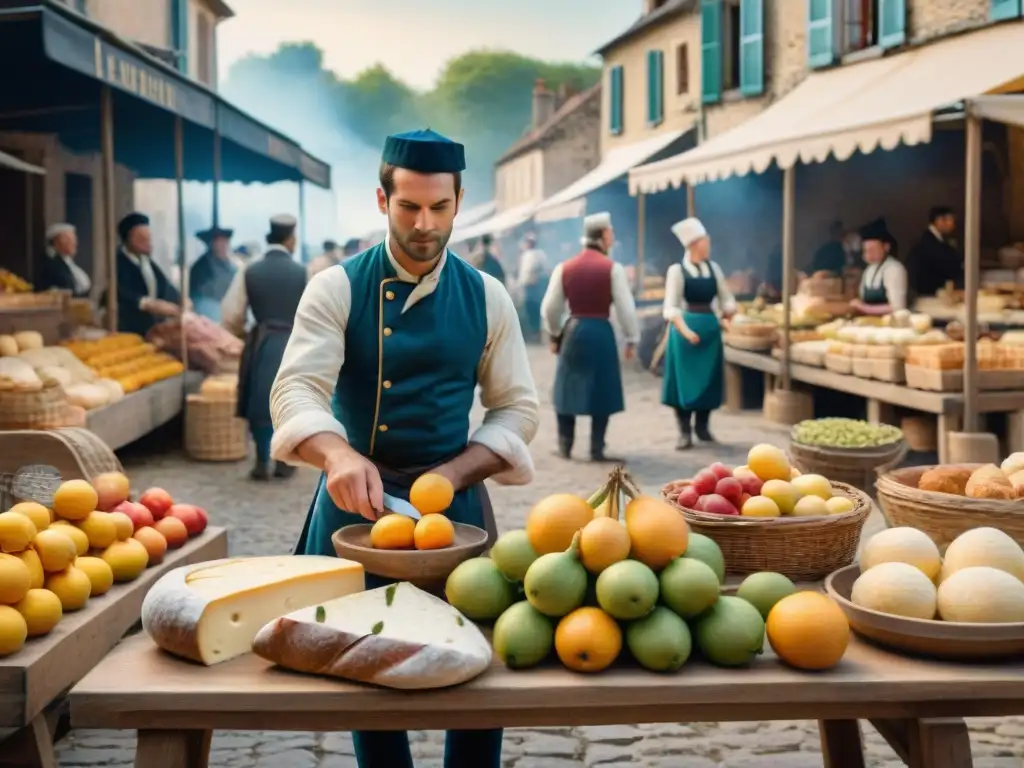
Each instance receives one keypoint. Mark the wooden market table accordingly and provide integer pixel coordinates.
(39, 674)
(916, 705)
(139, 413)
(948, 406)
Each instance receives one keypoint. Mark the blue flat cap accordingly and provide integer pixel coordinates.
(424, 152)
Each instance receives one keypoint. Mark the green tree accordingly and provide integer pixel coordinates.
(375, 104)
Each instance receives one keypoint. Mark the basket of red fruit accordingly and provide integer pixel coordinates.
(767, 516)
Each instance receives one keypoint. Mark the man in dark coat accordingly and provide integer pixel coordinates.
(934, 259)
(489, 262)
(212, 273)
(58, 271)
(144, 294)
(271, 288)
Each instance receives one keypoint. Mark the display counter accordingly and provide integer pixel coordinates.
(139, 413)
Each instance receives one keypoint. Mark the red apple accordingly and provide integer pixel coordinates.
(111, 489)
(204, 517)
(751, 484)
(189, 515)
(699, 505)
(720, 470)
(157, 501)
(704, 482)
(688, 497)
(173, 530)
(719, 505)
(730, 488)
(140, 516)
(743, 499)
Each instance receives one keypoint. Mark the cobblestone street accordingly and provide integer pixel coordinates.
(265, 520)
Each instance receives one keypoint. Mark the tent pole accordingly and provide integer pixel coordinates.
(641, 239)
(179, 173)
(109, 219)
(216, 176)
(788, 195)
(303, 250)
(691, 199)
(972, 258)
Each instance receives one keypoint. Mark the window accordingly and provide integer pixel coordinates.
(204, 49)
(655, 87)
(682, 70)
(82, 7)
(732, 48)
(615, 112)
(838, 27)
(179, 32)
(1005, 9)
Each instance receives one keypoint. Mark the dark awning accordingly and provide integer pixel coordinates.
(56, 62)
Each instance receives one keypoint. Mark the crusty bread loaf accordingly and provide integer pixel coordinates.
(396, 636)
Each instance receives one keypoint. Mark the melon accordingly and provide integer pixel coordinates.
(898, 589)
(902, 545)
(981, 595)
(984, 546)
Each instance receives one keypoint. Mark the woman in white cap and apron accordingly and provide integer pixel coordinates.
(695, 295)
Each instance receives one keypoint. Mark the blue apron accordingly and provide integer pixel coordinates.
(876, 295)
(694, 373)
(588, 381)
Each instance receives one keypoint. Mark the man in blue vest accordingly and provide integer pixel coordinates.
(413, 329)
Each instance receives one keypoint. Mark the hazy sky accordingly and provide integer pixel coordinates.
(415, 38)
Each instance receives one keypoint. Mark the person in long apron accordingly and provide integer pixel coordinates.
(413, 329)
(271, 289)
(588, 381)
(695, 295)
(883, 284)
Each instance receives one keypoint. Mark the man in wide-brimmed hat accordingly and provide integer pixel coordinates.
(212, 273)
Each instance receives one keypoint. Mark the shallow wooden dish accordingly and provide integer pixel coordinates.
(424, 568)
(936, 639)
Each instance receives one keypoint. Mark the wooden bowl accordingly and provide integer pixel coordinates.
(935, 639)
(424, 568)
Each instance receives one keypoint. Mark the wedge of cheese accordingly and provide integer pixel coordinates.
(396, 636)
(210, 612)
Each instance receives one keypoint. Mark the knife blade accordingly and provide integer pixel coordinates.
(400, 506)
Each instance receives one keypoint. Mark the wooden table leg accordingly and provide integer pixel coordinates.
(940, 743)
(173, 749)
(30, 747)
(841, 745)
(733, 388)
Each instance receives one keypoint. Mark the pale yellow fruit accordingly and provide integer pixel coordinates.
(810, 506)
(13, 631)
(35, 567)
(72, 586)
(41, 610)
(897, 589)
(15, 579)
(37, 513)
(839, 505)
(77, 535)
(902, 545)
(981, 595)
(123, 525)
(782, 493)
(127, 559)
(100, 529)
(794, 473)
(984, 546)
(769, 462)
(74, 500)
(101, 577)
(813, 485)
(16, 532)
(760, 506)
(56, 550)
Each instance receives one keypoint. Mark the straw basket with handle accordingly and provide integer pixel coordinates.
(944, 516)
(212, 430)
(802, 548)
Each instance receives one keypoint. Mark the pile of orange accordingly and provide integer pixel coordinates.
(431, 495)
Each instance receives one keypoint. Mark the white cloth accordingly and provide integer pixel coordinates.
(688, 231)
(554, 305)
(145, 265)
(83, 283)
(532, 266)
(890, 274)
(300, 400)
(675, 284)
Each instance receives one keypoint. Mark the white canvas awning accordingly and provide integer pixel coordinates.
(1000, 109)
(571, 202)
(879, 103)
(500, 222)
(475, 215)
(14, 164)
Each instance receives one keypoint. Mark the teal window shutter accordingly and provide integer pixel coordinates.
(752, 47)
(820, 33)
(655, 87)
(1004, 9)
(711, 51)
(892, 23)
(80, 6)
(615, 100)
(179, 27)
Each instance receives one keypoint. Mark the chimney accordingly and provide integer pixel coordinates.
(543, 104)
(565, 92)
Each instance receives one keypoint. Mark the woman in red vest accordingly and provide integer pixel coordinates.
(588, 381)
(695, 295)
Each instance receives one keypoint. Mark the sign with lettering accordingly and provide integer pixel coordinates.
(118, 70)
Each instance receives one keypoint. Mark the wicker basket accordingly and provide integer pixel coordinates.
(748, 342)
(212, 430)
(802, 548)
(46, 408)
(944, 516)
(858, 467)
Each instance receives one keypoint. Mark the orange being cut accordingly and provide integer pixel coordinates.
(393, 532)
(434, 532)
(431, 494)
